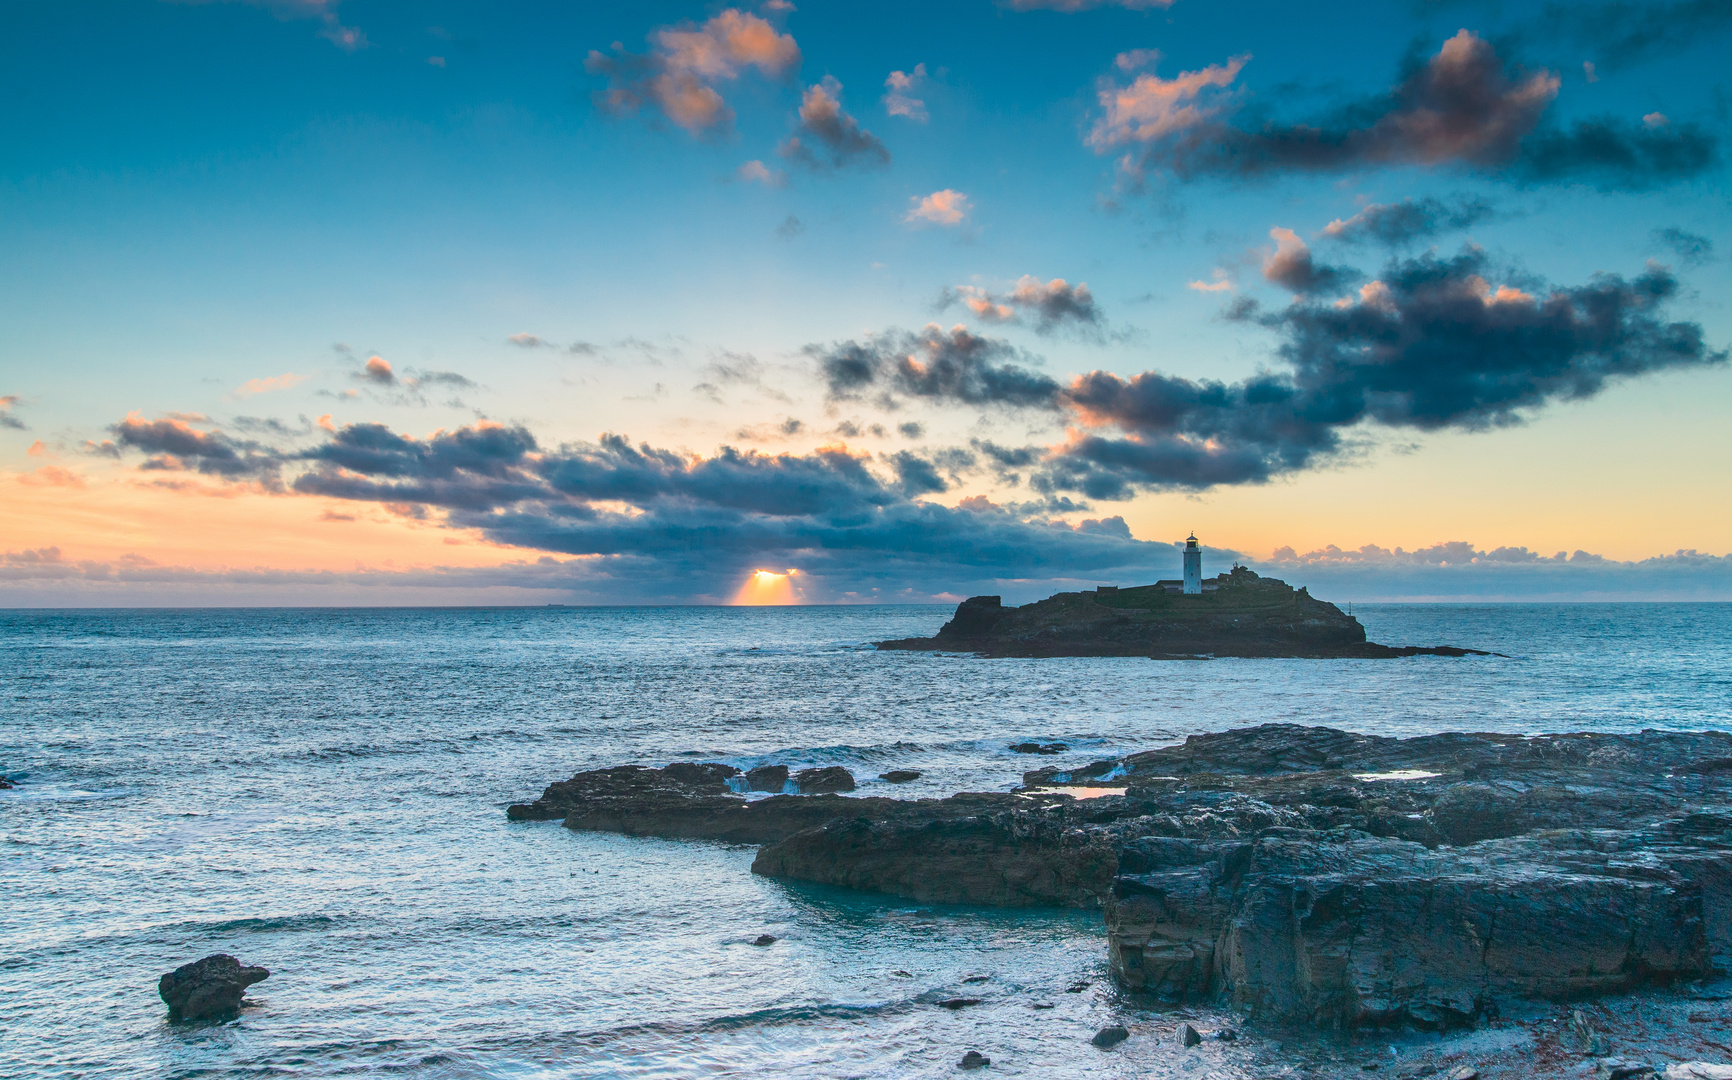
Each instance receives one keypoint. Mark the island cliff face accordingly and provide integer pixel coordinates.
(1239, 614)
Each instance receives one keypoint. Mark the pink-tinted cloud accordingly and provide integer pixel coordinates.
(347, 38)
(827, 137)
(946, 207)
(269, 383)
(756, 172)
(679, 74)
(899, 99)
(1153, 108)
(378, 370)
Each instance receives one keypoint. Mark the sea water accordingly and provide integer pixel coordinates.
(323, 792)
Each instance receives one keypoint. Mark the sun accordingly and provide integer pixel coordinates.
(765, 587)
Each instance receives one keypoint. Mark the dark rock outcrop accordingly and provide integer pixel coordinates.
(1239, 614)
(208, 989)
(820, 781)
(974, 1059)
(1303, 874)
(767, 778)
(899, 776)
(1038, 748)
(1108, 1037)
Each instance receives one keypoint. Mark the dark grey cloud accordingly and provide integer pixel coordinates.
(1622, 33)
(1463, 106)
(1293, 268)
(791, 228)
(1401, 223)
(7, 420)
(1430, 344)
(827, 138)
(952, 366)
(1691, 248)
(911, 430)
(173, 445)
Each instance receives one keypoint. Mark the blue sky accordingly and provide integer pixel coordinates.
(216, 213)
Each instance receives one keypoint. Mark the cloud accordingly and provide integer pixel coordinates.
(173, 444)
(378, 370)
(827, 138)
(52, 476)
(1221, 283)
(1430, 344)
(679, 74)
(529, 341)
(347, 38)
(1053, 304)
(1626, 32)
(1691, 248)
(1461, 107)
(1292, 268)
(899, 99)
(791, 228)
(952, 366)
(7, 420)
(944, 207)
(1401, 223)
(1071, 6)
(268, 384)
(756, 172)
(1153, 108)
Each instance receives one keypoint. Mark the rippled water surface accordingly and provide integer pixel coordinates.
(323, 793)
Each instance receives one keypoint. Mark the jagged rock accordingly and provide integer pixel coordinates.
(1698, 1070)
(820, 781)
(1464, 1072)
(1622, 1070)
(764, 939)
(1038, 748)
(1302, 874)
(1238, 614)
(974, 1059)
(208, 989)
(1108, 1037)
(767, 778)
(709, 775)
(1591, 1042)
(1188, 1036)
(899, 776)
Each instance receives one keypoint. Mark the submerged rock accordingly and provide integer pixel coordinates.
(974, 1059)
(1237, 614)
(1038, 748)
(899, 776)
(208, 989)
(764, 939)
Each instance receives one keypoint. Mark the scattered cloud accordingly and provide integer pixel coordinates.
(268, 384)
(1623, 33)
(827, 138)
(791, 228)
(946, 207)
(1401, 223)
(756, 172)
(900, 88)
(1053, 304)
(7, 420)
(679, 75)
(347, 38)
(378, 370)
(1691, 248)
(529, 341)
(1461, 107)
(1292, 267)
(52, 476)
(953, 366)
(1222, 283)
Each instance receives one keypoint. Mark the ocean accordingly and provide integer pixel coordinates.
(323, 792)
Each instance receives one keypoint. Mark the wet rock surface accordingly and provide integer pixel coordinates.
(1298, 875)
(1239, 614)
(820, 781)
(208, 989)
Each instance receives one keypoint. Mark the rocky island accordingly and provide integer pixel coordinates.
(1300, 875)
(1238, 614)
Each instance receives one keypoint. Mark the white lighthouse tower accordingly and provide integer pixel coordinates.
(1193, 567)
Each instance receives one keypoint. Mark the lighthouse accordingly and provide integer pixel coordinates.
(1193, 567)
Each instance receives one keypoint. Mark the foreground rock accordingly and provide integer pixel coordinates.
(1302, 874)
(1242, 614)
(208, 989)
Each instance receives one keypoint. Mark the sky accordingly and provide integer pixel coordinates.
(354, 302)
